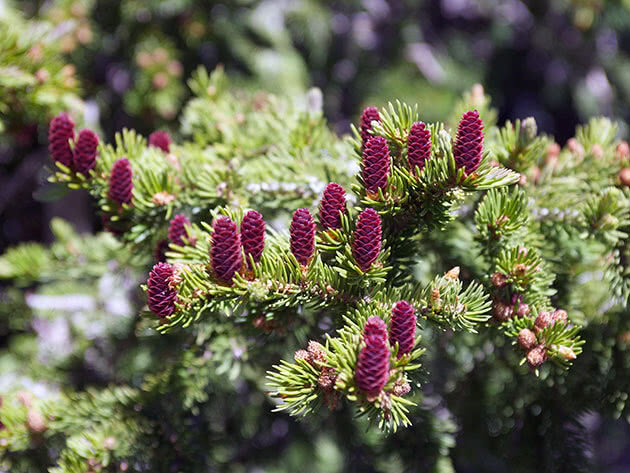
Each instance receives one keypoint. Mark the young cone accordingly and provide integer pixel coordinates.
(372, 369)
(161, 296)
(369, 115)
(120, 182)
(302, 233)
(60, 132)
(418, 146)
(469, 143)
(366, 244)
(375, 327)
(160, 139)
(332, 204)
(225, 253)
(403, 327)
(177, 230)
(376, 163)
(85, 152)
(253, 235)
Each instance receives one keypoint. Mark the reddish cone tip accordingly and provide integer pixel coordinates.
(418, 146)
(120, 182)
(225, 254)
(177, 230)
(161, 296)
(372, 369)
(85, 152)
(366, 244)
(403, 327)
(369, 115)
(253, 235)
(160, 139)
(302, 233)
(60, 132)
(333, 202)
(159, 252)
(376, 163)
(469, 143)
(375, 327)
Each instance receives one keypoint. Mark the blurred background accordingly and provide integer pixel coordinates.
(125, 64)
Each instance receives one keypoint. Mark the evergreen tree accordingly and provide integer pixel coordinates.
(393, 287)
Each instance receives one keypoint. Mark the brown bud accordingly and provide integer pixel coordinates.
(160, 55)
(175, 68)
(160, 80)
(624, 177)
(499, 280)
(543, 320)
(537, 356)
(535, 174)
(42, 75)
(567, 353)
(526, 339)
(553, 151)
(453, 274)
(317, 353)
(502, 312)
(523, 310)
(35, 421)
(501, 220)
(559, 316)
(162, 198)
(520, 269)
(327, 378)
(435, 297)
(624, 337)
(575, 147)
(36, 53)
(25, 398)
(302, 355)
(597, 151)
(623, 150)
(144, 59)
(401, 388)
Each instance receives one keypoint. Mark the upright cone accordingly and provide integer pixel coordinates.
(225, 253)
(121, 182)
(160, 139)
(302, 232)
(253, 235)
(403, 327)
(332, 205)
(469, 143)
(161, 295)
(60, 132)
(376, 163)
(85, 152)
(366, 244)
(418, 146)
